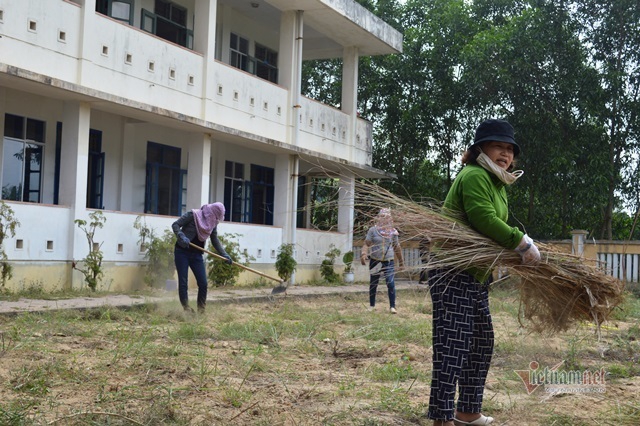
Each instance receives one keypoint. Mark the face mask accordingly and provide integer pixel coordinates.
(506, 177)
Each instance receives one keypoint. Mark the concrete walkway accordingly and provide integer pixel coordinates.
(215, 295)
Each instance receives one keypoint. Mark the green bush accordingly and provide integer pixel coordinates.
(8, 225)
(218, 272)
(160, 264)
(285, 262)
(326, 268)
(92, 263)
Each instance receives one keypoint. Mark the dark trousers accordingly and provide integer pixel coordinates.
(462, 343)
(388, 271)
(186, 259)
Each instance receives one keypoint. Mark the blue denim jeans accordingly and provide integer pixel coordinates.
(186, 259)
(388, 271)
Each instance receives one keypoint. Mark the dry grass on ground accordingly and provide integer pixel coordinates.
(322, 361)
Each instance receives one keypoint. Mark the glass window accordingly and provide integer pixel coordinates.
(95, 172)
(239, 52)
(234, 192)
(23, 151)
(262, 192)
(122, 10)
(13, 126)
(169, 21)
(163, 187)
(323, 209)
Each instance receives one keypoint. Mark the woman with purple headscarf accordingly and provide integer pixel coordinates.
(196, 226)
(381, 246)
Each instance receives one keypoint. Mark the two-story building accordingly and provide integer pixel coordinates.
(153, 107)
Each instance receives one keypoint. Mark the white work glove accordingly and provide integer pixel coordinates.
(528, 251)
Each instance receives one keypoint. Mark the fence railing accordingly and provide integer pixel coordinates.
(623, 266)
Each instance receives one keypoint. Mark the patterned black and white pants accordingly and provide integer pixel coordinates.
(462, 343)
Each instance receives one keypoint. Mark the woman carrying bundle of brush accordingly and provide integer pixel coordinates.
(462, 327)
(196, 226)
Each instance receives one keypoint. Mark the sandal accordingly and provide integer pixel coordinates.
(480, 421)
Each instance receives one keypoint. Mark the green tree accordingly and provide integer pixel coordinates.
(528, 65)
(92, 263)
(564, 73)
(611, 31)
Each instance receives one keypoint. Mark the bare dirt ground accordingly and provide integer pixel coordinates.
(321, 361)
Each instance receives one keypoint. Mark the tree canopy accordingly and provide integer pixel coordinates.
(565, 74)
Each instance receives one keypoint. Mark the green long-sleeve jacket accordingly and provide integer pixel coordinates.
(481, 199)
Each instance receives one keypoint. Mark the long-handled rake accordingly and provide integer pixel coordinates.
(210, 253)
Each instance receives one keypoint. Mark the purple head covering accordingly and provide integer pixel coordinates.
(207, 218)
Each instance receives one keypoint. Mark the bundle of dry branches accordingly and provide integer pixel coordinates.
(561, 291)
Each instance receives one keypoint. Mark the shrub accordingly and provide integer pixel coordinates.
(218, 271)
(326, 268)
(160, 265)
(8, 225)
(285, 262)
(92, 269)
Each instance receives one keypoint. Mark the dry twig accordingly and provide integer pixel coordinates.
(561, 291)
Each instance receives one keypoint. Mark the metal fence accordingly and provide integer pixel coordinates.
(625, 267)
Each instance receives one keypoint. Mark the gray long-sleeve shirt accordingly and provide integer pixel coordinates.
(187, 225)
(381, 248)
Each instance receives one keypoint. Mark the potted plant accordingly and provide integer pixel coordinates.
(348, 274)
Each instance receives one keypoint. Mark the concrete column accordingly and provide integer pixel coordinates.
(86, 34)
(282, 195)
(346, 192)
(3, 97)
(290, 76)
(578, 238)
(350, 92)
(127, 166)
(290, 68)
(198, 170)
(286, 50)
(204, 41)
(216, 165)
(74, 158)
(350, 80)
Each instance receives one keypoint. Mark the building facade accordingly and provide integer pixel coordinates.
(149, 108)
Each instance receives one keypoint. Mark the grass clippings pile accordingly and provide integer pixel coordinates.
(559, 292)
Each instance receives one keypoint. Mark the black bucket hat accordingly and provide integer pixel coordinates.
(496, 130)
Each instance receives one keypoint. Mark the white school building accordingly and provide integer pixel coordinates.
(154, 107)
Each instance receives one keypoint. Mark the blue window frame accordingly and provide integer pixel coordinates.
(248, 201)
(163, 187)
